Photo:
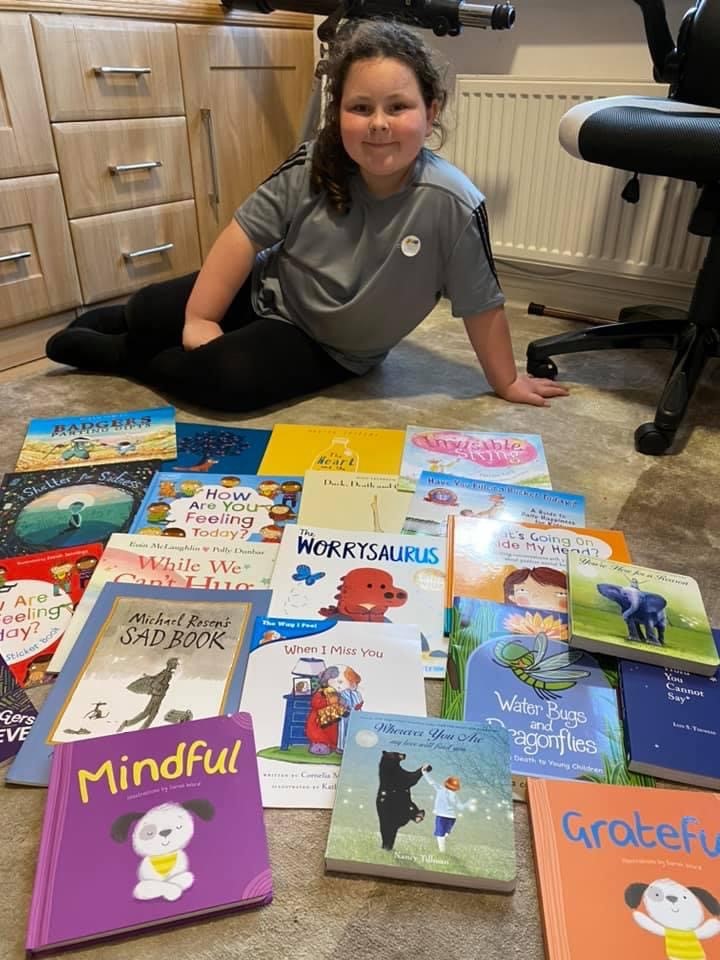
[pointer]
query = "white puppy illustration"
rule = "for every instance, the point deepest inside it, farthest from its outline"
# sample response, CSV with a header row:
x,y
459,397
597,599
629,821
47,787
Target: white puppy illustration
x,y
160,837
676,913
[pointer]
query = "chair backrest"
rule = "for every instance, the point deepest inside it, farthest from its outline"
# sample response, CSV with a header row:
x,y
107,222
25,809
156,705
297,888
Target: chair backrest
x,y
698,50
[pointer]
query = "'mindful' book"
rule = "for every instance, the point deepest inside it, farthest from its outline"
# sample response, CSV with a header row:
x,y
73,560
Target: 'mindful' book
x,y
174,817
145,657
89,438
298,447
636,613
426,800
625,872
209,448
17,714
358,501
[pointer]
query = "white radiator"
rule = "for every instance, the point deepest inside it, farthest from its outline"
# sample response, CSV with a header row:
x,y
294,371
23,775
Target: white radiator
x,y
548,207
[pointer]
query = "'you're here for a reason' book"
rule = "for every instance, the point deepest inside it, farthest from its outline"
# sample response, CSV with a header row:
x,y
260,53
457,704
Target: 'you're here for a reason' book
x,y
173,815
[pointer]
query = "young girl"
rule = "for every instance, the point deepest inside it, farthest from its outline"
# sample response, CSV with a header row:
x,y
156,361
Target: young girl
x,y
335,258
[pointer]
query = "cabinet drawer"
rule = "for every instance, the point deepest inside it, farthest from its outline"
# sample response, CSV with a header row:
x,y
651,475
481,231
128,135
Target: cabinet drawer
x,y
37,268
96,68
94,159
120,252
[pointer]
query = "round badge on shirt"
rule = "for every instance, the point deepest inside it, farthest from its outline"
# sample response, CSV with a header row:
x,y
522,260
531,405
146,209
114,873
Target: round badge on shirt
x,y
410,245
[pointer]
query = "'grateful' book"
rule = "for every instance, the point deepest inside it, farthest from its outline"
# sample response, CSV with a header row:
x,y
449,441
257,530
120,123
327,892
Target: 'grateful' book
x,y
298,447
17,714
173,816
145,657
90,438
303,681
672,722
189,562
209,448
426,800
358,501
626,872
636,613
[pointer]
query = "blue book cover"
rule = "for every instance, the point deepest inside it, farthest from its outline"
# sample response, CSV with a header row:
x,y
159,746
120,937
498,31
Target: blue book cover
x,y
672,722
209,448
145,657
224,507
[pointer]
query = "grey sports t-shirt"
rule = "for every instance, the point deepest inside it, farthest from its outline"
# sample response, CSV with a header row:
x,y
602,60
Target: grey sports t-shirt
x,y
360,282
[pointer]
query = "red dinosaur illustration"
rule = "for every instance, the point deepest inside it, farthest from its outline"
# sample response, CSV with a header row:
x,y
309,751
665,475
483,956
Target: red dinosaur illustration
x,y
365,594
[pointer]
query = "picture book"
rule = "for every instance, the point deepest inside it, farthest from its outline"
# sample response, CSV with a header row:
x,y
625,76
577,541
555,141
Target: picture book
x,y
48,509
517,458
38,593
303,681
84,439
174,817
426,800
513,669
364,577
361,501
672,722
189,562
626,872
209,448
298,447
438,495
17,714
636,613
145,657
216,506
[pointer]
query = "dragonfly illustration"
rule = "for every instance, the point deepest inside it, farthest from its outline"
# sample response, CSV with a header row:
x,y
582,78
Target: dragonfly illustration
x,y
304,574
546,675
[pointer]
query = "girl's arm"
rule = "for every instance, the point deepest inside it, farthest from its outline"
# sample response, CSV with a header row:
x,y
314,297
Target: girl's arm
x,y
489,335
226,268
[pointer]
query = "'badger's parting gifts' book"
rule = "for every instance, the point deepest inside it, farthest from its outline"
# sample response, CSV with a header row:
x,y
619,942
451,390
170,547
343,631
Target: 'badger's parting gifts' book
x,y
304,679
424,799
48,509
438,495
189,562
636,613
229,508
358,501
626,872
209,448
145,657
84,439
17,714
298,447
38,593
174,817
364,577
500,457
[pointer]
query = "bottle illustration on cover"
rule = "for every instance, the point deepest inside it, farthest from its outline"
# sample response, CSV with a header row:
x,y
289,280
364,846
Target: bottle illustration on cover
x,y
337,456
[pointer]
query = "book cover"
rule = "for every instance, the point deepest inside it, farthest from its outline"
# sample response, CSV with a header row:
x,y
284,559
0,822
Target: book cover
x,y
517,458
672,722
17,714
84,439
189,562
426,800
303,681
208,448
626,872
145,657
513,669
364,577
363,501
48,509
438,495
636,613
227,507
298,447
173,816
38,593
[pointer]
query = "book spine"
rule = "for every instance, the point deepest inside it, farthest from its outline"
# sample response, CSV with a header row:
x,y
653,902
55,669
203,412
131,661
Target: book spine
x,y
449,574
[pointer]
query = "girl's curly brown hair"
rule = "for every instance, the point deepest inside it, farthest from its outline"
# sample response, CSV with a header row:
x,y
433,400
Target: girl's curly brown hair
x,y
366,40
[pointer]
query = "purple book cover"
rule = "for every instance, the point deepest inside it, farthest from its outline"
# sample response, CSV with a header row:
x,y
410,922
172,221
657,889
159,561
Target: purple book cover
x,y
148,828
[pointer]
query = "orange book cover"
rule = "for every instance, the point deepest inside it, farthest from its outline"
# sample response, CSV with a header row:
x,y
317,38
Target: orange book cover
x,y
627,873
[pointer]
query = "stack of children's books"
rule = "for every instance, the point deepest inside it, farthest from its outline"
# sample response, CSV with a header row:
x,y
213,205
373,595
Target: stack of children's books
x,y
233,619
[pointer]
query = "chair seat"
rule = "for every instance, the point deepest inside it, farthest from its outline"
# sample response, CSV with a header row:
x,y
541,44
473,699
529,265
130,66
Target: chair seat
x,y
651,135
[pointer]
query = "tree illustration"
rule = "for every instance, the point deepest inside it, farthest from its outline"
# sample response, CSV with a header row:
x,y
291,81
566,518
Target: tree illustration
x,y
212,444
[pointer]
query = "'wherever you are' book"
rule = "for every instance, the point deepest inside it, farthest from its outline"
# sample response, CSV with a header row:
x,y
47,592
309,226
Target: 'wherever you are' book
x,y
298,447
426,800
173,815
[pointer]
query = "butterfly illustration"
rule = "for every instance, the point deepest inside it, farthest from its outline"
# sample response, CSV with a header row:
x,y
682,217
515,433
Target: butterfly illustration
x,y
303,573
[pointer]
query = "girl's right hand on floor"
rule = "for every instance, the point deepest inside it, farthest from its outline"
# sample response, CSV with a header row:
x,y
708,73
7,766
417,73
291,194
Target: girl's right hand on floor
x,y
196,333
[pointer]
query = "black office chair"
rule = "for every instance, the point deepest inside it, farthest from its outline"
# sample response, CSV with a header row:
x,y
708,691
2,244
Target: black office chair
x,y
674,136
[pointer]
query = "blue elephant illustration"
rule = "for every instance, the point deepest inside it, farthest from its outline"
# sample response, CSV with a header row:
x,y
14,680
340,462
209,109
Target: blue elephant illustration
x,y
643,613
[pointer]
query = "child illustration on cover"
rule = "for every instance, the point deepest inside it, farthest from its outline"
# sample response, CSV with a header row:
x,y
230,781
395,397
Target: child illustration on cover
x,y
321,726
346,684
447,806
539,587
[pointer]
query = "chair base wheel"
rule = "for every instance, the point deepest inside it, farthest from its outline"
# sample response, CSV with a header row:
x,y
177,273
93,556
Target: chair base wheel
x,y
651,441
542,368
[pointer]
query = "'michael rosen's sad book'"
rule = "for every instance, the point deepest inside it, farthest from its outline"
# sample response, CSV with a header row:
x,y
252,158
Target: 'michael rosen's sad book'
x,y
173,815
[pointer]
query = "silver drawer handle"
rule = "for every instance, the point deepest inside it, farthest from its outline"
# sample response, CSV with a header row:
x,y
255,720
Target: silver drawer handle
x,y
214,194
22,255
136,71
160,248
125,167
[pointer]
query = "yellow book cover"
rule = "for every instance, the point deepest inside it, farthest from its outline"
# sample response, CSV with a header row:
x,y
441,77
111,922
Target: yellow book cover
x,y
363,501
350,449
